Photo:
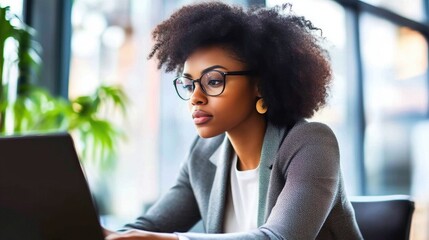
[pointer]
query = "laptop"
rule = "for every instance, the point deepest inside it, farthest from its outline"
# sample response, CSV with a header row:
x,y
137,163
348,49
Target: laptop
x,y
43,191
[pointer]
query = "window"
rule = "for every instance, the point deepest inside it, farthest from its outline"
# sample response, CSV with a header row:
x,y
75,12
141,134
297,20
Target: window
x,y
409,8
396,100
16,6
110,43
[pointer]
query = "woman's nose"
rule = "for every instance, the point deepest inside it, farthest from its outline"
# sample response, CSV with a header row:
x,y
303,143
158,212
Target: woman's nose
x,y
198,96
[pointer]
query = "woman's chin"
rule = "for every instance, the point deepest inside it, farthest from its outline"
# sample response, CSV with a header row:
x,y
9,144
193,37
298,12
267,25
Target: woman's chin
x,y
207,133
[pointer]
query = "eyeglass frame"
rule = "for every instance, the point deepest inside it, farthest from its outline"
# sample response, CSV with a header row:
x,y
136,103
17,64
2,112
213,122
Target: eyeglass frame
x,y
198,80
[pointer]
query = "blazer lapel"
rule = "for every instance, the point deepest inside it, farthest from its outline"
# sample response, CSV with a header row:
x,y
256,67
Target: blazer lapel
x,y
216,208
272,140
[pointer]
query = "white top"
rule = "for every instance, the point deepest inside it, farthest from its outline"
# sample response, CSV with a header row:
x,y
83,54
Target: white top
x,y
242,203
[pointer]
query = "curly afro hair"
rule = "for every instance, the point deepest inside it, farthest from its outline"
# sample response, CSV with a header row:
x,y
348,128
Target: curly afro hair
x,y
293,71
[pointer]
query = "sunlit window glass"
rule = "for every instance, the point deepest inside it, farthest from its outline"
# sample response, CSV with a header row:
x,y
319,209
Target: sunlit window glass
x,y
396,104
10,72
396,99
110,43
16,6
413,9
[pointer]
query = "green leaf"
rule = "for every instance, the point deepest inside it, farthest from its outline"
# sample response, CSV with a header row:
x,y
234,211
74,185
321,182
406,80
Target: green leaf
x,y
36,110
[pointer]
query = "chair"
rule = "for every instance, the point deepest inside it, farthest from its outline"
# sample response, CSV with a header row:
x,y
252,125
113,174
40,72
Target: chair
x,y
384,217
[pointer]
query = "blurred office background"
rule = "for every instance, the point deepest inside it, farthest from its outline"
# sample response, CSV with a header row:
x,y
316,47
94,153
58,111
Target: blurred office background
x,y
378,104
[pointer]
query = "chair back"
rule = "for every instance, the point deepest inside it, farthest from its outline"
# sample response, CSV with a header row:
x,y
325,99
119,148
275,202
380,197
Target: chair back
x,y
384,217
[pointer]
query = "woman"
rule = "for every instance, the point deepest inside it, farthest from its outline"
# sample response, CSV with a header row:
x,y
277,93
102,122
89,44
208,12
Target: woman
x,y
257,170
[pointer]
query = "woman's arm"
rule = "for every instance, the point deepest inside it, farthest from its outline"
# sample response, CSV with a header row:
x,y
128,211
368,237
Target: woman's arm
x,y
141,235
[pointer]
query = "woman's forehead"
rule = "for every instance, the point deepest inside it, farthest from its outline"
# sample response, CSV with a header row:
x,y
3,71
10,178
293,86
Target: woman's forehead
x,y
206,57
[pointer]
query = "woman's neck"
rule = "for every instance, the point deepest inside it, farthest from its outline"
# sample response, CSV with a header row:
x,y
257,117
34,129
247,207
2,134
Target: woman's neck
x,y
247,142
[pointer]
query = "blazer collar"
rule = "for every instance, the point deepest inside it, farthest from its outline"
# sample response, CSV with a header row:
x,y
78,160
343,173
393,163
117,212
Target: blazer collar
x,y
216,207
272,141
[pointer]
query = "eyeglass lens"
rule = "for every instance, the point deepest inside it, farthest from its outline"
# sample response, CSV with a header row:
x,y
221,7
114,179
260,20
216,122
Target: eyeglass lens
x,y
212,84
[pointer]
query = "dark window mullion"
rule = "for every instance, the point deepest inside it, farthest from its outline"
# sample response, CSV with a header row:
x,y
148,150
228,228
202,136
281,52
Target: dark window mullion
x,y
356,105
426,10
426,6
361,122
52,22
64,31
256,3
27,13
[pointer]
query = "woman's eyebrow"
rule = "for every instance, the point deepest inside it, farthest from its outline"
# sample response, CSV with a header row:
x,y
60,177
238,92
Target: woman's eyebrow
x,y
211,68
205,70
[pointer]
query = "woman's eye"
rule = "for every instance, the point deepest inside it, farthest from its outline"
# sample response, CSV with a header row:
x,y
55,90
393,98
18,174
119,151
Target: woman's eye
x,y
215,83
187,87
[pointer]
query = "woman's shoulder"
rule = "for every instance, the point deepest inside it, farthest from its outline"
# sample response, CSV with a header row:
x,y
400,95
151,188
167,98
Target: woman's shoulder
x,y
305,131
307,142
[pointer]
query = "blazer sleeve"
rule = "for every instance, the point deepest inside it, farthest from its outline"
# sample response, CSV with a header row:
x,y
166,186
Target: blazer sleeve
x,y
177,210
309,162
311,168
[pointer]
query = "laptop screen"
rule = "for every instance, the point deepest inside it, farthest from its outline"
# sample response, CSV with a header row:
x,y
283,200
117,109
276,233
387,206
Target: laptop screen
x,y
43,191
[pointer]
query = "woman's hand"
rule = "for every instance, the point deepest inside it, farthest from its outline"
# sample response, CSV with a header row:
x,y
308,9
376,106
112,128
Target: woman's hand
x,y
140,235
107,232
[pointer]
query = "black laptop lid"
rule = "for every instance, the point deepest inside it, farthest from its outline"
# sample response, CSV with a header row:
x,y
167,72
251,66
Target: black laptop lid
x,y
43,192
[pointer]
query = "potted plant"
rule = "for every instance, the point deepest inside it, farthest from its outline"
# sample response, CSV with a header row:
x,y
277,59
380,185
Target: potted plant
x,y
30,108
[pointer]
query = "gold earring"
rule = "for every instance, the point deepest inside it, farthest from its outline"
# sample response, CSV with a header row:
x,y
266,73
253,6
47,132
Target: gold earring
x,y
260,107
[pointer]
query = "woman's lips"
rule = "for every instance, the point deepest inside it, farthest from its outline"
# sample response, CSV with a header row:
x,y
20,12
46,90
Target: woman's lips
x,y
201,117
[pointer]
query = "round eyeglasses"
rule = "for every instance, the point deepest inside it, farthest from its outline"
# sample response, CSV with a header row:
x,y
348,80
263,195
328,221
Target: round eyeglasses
x,y
212,83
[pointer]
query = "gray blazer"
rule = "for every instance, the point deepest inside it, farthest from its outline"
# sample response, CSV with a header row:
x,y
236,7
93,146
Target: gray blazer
x,y
301,192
